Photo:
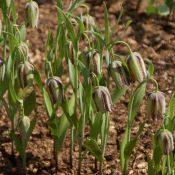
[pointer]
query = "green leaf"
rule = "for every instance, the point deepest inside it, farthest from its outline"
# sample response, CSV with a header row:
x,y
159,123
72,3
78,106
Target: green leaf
x,y
163,10
150,68
157,155
151,170
135,101
60,4
81,90
38,80
48,103
75,4
92,146
107,29
29,103
96,127
72,74
22,31
151,9
30,130
171,107
62,126
18,143
131,144
118,93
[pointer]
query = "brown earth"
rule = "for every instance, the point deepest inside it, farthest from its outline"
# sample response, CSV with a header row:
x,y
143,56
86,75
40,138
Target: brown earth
x,y
153,37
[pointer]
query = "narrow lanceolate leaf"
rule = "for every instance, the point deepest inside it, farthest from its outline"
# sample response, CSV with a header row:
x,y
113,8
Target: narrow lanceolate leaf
x,y
118,93
62,126
133,108
150,68
107,29
131,144
96,127
72,74
135,101
171,108
60,4
92,146
29,103
48,103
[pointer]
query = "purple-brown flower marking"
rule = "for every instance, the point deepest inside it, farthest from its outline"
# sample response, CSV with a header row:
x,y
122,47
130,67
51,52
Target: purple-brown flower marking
x,y
25,74
55,89
156,105
2,69
166,142
137,67
92,61
88,22
102,99
119,74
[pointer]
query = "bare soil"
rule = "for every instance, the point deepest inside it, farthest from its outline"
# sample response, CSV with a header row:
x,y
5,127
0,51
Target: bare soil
x,y
153,37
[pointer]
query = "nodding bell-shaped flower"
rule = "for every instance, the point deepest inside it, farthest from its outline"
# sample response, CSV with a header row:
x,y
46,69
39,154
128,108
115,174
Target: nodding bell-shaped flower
x,y
95,63
92,60
55,90
32,14
88,22
2,69
102,99
156,105
166,142
25,74
137,67
119,74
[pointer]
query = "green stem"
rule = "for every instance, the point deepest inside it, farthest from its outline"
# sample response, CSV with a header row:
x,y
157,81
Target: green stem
x,y
81,144
123,43
104,140
55,154
156,84
71,146
168,162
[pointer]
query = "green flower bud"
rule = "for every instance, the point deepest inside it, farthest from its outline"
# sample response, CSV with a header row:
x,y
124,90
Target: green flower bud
x,y
102,99
137,67
21,51
166,142
25,74
55,90
32,14
156,105
119,74
2,69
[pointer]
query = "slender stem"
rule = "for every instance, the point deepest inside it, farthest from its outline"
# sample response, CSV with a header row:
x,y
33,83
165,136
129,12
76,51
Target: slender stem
x,y
124,43
55,154
156,84
104,140
168,162
71,146
81,144
163,166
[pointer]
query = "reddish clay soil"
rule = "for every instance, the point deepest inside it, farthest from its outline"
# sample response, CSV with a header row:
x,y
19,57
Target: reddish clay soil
x,y
153,37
